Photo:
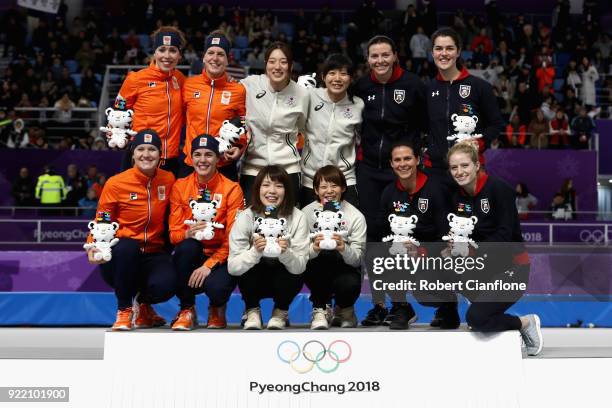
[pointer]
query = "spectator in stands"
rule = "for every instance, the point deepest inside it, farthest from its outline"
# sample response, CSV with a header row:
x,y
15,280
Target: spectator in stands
x,y
545,75
569,195
154,93
538,130
90,85
482,39
50,190
419,46
277,109
210,99
523,102
98,186
92,175
516,133
572,77
582,128
525,201
99,144
589,77
559,131
14,135
23,189
64,107
88,204
559,209
76,186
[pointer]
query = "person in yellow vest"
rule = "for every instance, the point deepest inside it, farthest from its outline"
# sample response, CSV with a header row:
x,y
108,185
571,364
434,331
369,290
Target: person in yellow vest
x,y
50,190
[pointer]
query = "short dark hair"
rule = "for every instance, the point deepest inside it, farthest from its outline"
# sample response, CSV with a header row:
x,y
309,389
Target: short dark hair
x,y
331,174
381,39
279,45
274,173
447,32
412,144
337,61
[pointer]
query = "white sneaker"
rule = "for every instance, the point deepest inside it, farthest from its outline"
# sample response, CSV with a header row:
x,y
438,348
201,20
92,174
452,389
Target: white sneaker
x,y
278,321
319,319
253,320
532,335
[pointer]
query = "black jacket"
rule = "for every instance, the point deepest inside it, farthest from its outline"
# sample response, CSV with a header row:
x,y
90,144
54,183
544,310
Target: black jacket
x,y
393,111
428,202
467,95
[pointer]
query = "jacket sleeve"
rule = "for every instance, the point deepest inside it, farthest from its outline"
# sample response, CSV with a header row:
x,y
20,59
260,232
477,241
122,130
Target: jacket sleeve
x,y
177,217
242,254
39,184
129,91
296,256
355,246
492,120
235,202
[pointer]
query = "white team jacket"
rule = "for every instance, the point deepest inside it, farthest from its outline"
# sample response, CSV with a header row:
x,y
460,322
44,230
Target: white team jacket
x,y
330,135
243,255
273,119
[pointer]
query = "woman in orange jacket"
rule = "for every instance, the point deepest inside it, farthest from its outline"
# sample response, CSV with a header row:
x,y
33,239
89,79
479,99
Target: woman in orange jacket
x,y
154,93
140,267
202,248
209,100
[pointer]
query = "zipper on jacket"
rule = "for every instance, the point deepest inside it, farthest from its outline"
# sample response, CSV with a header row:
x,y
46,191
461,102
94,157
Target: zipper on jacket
x,y
165,155
382,116
330,135
144,246
210,101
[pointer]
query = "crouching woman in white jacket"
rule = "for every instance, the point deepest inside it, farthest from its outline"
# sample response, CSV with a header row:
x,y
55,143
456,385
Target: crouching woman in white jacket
x,y
269,247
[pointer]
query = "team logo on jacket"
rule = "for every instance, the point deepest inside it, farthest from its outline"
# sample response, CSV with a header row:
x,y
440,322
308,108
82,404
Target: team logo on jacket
x,y
291,101
423,205
399,95
161,193
484,205
260,95
319,107
196,94
226,96
152,84
218,197
133,196
464,91
347,112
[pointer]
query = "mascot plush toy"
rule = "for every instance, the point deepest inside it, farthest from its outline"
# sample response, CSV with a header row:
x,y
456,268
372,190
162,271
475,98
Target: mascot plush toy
x,y
103,233
402,226
329,221
230,133
272,229
118,130
204,210
461,227
308,80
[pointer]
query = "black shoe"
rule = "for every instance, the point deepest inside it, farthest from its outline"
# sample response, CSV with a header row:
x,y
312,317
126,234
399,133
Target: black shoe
x,y
446,317
403,318
375,316
389,318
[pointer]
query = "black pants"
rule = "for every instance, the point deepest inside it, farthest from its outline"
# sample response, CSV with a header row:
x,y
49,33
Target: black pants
x,y
269,278
307,196
246,182
131,271
327,277
372,182
218,286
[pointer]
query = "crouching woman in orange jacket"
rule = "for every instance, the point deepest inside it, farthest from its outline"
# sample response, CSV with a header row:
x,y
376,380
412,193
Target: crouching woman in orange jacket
x,y
202,247
138,199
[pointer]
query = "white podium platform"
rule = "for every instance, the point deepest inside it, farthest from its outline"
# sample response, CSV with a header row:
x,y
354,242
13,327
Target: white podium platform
x,y
272,369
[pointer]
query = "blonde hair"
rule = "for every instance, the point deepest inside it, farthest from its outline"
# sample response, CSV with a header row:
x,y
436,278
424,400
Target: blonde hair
x,y
465,146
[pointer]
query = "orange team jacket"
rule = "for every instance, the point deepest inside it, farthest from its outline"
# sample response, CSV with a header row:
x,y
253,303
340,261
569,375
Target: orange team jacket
x,y
155,96
208,103
221,189
138,203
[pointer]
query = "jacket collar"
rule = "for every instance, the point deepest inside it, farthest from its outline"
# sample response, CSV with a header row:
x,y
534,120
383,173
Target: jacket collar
x,y
323,95
158,73
464,73
212,183
218,81
140,176
481,180
397,73
421,179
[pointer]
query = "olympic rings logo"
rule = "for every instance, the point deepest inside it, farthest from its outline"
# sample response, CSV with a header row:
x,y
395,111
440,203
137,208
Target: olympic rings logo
x,y
303,359
595,236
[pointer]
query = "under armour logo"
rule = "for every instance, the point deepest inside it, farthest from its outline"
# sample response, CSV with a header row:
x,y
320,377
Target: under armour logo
x,y
371,97
436,93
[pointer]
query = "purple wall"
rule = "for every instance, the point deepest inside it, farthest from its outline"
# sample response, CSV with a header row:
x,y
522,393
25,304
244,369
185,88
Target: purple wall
x,y
604,128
